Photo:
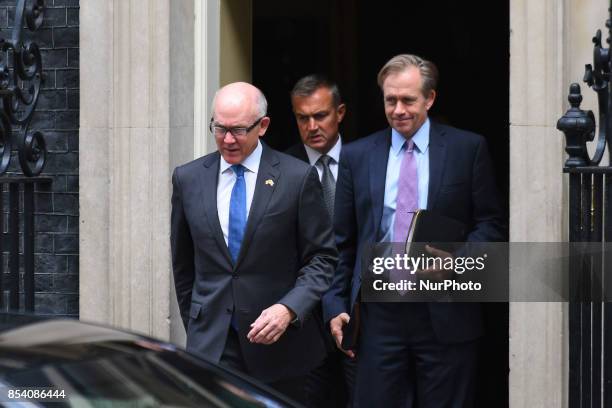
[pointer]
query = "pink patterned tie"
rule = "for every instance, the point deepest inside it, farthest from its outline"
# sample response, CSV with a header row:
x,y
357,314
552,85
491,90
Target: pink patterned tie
x,y
407,194
407,203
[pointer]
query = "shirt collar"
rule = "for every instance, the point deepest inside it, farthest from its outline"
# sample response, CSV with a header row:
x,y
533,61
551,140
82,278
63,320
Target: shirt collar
x,y
334,152
420,138
251,163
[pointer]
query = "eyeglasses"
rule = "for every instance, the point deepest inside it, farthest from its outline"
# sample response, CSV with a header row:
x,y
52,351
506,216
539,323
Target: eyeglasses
x,y
221,131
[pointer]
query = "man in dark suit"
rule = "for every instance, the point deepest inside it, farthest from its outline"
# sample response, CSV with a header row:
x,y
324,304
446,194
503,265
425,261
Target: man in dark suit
x,y
410,354
319,110
252,249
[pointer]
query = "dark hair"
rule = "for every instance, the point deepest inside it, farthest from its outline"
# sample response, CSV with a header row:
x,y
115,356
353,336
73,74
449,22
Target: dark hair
x,y
399,63
307,85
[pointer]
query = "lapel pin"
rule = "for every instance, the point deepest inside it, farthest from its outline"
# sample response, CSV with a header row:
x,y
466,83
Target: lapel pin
x,y
270,182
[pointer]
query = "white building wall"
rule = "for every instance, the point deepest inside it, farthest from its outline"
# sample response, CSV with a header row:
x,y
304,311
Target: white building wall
x,y
136,123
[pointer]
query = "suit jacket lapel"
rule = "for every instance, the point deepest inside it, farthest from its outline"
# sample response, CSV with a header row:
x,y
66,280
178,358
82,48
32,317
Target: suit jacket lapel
x,y
378,173
209,198
267,181
437,159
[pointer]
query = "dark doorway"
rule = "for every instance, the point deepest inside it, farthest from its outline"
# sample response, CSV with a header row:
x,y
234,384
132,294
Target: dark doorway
x,y
349,40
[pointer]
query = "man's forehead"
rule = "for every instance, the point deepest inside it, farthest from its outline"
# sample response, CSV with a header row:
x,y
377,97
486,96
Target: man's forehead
x,y
316,100
408,77
231,109
401,92
314,107
233,101
234,118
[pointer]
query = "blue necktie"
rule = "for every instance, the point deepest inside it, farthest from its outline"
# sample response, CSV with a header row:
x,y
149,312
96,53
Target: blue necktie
x,y
237,213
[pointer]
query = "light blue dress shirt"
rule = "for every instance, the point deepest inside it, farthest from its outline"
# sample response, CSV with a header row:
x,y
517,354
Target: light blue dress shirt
x,y
396,152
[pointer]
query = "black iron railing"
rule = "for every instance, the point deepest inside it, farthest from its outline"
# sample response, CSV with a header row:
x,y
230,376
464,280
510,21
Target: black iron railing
x,y
590,221
20,229
20,83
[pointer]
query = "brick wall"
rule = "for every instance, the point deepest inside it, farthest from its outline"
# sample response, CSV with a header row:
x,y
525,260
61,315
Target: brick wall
x,y
57,116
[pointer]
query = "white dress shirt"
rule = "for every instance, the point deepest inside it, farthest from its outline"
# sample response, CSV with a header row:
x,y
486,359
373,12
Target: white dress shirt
x,y
334,153
227,179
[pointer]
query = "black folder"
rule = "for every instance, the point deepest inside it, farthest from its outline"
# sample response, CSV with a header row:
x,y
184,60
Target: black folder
x,y
439,231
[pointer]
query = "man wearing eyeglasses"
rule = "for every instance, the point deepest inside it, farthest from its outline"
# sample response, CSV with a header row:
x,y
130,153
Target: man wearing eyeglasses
x,y
252,249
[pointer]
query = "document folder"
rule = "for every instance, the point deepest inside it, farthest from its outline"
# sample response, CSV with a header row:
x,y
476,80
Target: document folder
x,y
439,231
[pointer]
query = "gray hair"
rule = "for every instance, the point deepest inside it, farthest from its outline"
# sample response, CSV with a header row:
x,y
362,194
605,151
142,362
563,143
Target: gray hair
x,y
307,85
399,63
262,104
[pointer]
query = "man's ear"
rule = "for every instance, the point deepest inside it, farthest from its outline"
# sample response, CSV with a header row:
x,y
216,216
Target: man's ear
x,y
341,110
429,101
263,125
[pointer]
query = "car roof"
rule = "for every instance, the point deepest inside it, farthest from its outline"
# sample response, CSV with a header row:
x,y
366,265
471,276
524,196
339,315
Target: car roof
x,y
29,342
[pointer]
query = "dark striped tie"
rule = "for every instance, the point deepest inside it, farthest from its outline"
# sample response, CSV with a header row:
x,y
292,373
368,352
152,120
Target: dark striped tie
x,y
328,183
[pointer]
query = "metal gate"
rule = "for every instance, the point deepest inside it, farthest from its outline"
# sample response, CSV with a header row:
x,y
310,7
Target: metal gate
x,y
21,77
590,221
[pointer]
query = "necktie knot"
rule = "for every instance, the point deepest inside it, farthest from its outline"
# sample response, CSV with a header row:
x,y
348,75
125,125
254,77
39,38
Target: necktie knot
x,y
325,160
239,170
409,146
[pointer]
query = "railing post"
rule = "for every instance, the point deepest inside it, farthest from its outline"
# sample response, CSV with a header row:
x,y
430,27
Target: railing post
x,y
28,246
590,319
21,227
20,84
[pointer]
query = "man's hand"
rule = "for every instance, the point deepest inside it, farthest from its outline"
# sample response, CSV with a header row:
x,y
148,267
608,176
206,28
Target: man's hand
x,y
435,273
336,325
271,324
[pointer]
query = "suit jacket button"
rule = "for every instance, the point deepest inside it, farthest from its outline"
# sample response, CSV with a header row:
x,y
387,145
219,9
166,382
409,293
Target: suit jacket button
x,y
235,275
229,310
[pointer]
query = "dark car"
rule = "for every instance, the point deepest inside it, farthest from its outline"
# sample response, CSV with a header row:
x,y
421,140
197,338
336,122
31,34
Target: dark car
x,y
70,363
